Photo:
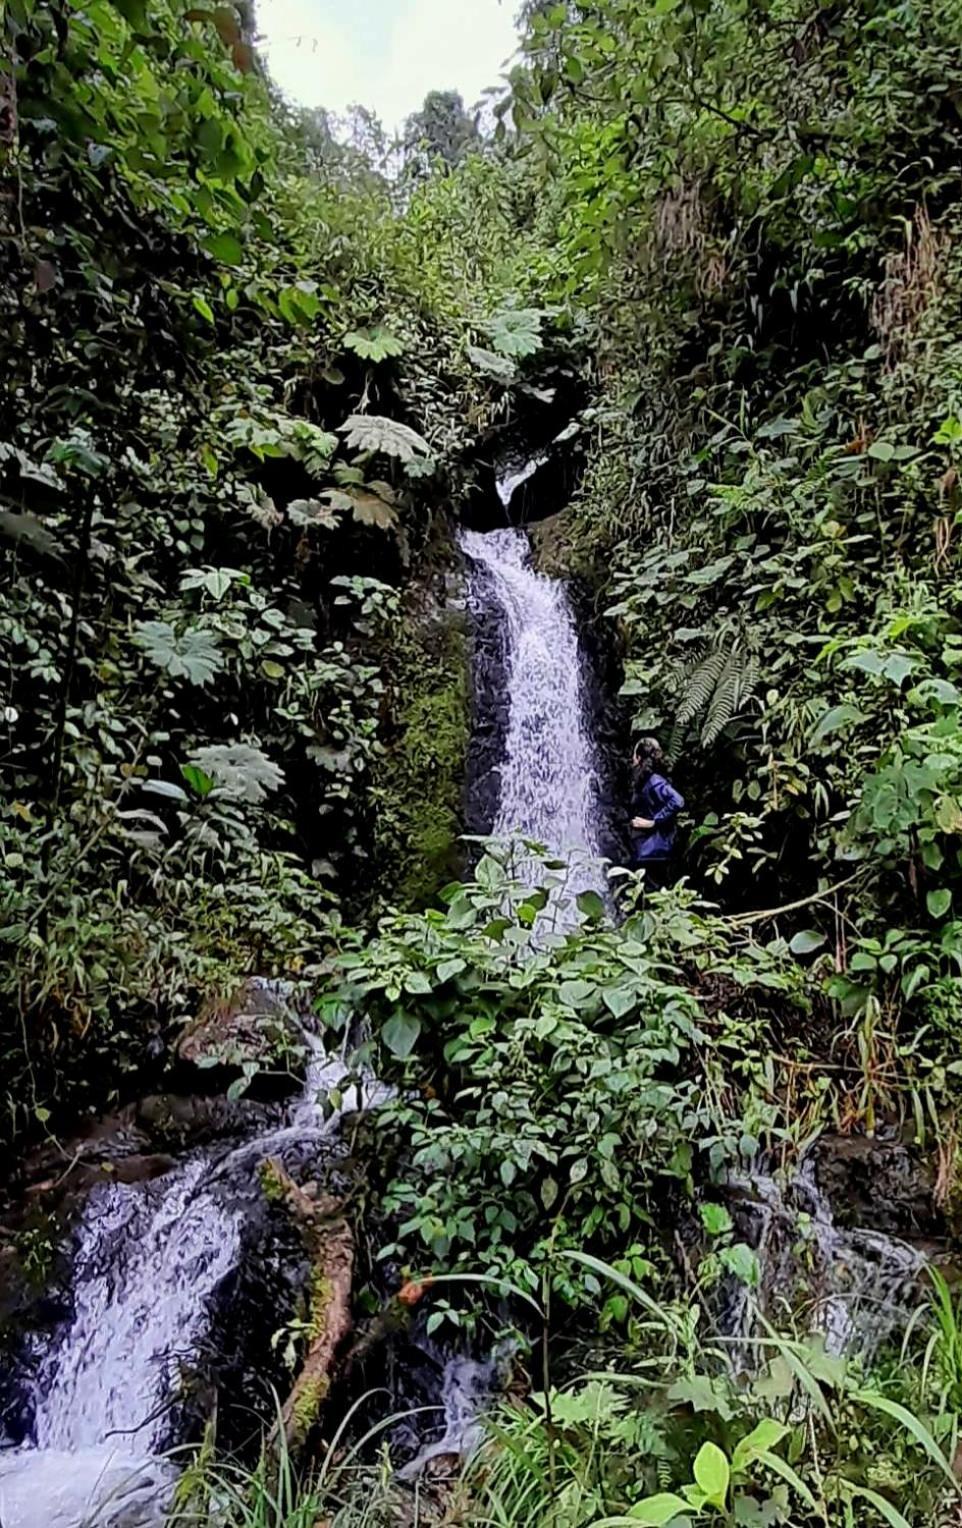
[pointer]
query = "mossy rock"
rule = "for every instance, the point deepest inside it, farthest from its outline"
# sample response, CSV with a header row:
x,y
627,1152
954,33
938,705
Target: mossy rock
x,y
420,790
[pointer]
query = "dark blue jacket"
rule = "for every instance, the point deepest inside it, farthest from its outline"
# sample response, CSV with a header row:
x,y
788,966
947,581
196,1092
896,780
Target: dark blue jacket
x,y
656,799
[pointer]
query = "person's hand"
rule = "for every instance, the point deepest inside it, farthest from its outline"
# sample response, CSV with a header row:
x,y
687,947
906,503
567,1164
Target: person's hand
x,y
642,823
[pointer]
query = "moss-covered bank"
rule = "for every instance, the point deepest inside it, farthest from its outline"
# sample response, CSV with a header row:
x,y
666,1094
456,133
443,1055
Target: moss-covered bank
x,y
420,789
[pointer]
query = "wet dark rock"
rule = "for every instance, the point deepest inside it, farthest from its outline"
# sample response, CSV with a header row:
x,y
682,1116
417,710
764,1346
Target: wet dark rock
x,y
256,1032
489,709
885,1185
179,1122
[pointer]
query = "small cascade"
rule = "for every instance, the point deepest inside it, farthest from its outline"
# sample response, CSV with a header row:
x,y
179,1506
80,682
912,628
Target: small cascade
x,y
549,779
512,478
466,1389
150,1260
855,1286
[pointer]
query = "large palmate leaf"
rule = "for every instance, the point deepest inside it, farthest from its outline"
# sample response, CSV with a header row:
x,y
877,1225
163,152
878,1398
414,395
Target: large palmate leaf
x,y
497,366
192,654
375,344
515,331
370,504
240,770
312,512
372,432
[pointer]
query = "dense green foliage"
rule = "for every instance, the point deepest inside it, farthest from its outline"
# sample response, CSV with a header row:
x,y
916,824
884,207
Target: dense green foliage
x,y
245,368
220,352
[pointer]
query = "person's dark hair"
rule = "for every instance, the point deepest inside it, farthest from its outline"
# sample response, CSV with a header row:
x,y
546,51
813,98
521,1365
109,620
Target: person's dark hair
x,y
647,756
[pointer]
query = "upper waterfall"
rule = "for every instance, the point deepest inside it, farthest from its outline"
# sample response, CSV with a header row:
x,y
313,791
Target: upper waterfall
x,y
549,779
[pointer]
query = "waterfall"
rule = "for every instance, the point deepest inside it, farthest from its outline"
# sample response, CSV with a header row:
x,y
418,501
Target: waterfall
x,y
150,1259
148,1263
549,782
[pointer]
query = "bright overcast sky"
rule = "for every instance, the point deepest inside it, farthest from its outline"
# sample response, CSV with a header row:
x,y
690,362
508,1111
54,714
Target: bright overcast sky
x,y
385,54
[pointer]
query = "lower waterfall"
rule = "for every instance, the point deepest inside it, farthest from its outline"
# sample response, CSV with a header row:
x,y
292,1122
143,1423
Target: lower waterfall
x,y
149,1260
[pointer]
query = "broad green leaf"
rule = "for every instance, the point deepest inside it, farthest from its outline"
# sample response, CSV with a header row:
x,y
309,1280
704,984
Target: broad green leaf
x,y
225,247
240,770
193,654
938,902
371,509
577,994
712,1473
376,344
312,512
165,788
619,1000
805,941
134,11
549,1192
591,905
839,717
715,1218
658,1510
702,1393
767,1435
200,783
400,1034
515,331
448,968
497,366
741,1261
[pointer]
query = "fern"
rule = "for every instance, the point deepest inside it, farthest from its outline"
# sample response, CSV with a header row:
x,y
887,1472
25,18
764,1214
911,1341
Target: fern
x,y
701,687
722,705
713,691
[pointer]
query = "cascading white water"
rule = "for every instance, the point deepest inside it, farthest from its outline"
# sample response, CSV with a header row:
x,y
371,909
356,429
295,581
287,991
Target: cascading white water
x,y
148,1262
150,1259
512,479
549,786
858,1285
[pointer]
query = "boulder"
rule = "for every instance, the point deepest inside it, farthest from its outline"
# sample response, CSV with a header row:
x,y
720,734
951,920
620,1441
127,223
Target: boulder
x,y
253,1033
884,1185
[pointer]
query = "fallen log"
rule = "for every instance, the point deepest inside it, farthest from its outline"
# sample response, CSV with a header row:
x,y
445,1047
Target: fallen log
x,y
329,1240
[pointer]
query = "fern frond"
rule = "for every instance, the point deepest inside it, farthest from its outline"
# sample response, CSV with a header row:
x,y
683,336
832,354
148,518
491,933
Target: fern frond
x,y
723,703
701,686
748,681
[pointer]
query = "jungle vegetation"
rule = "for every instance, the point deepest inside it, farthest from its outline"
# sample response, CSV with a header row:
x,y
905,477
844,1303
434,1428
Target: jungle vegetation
x,y
246,362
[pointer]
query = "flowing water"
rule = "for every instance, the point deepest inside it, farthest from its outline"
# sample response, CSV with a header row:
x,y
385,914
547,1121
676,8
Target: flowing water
x,y
515,476
151,1259
549,781
149,1262
854,1286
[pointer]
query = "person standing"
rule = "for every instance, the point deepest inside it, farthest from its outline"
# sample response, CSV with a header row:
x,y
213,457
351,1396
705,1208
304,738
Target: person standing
x,y
655,809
